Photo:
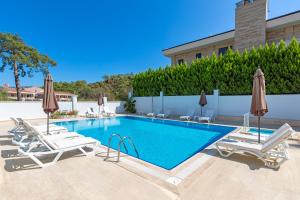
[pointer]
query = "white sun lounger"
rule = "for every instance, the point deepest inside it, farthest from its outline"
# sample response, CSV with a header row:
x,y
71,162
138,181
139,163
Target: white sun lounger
x,y
18,127
164,115
45,147
269,153
188,116
42,128
264,138
53,129
24,130
150,114
108,112
90,113
209,116
58,135
30,131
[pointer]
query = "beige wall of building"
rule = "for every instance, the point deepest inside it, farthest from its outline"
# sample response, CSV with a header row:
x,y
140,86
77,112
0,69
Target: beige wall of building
x,y
285,33
252,29
189,56
274,35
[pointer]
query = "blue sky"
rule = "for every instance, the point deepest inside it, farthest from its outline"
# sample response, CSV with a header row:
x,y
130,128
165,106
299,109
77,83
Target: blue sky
x,y
92,38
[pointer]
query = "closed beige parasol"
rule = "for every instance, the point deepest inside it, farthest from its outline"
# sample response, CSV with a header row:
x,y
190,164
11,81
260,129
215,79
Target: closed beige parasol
x,y
100,103
50,104
259,105
202,100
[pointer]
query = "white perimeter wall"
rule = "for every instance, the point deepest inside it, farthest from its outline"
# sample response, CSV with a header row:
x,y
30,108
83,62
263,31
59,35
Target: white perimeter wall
x,y
178,105
280,106
31,110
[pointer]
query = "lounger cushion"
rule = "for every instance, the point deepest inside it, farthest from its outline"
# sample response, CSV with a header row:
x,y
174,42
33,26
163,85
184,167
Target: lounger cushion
x,y
247,137
45,126
62,136
51,129
71,142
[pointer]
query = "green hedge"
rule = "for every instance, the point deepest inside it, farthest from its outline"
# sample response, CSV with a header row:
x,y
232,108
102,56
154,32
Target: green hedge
x,y
232,73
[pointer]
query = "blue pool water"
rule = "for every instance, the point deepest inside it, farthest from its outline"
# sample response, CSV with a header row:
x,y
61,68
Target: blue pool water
x,y
262,131
164,143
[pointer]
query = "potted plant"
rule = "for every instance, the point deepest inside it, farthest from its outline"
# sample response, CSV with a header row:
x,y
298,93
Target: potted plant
x,y
130,105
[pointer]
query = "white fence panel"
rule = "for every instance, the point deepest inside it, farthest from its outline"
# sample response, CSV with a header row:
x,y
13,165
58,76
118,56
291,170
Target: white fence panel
x,y
181,105
114,106
32,110
144,104
280,106
67,106
178,105
26,110
234,105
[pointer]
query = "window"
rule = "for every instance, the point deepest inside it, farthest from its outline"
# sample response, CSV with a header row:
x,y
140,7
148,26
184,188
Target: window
x,y
180,61
223,50
198,55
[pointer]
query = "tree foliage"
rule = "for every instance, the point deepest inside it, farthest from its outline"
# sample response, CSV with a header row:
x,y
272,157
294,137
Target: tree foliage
x,y
231,73
3,95
114,87
24,60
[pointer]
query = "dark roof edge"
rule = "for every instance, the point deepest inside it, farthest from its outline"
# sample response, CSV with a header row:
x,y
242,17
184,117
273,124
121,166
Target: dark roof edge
x,y
281,16
285,15
199,39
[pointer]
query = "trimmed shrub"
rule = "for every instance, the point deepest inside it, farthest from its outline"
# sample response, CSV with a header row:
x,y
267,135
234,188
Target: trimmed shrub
x,y
231,73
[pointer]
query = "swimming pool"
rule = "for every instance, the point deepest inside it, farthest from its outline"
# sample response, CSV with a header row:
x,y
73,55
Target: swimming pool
x,y
164,143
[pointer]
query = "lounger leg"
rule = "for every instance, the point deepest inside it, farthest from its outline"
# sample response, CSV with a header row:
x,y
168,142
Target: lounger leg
x,y
83,151
23,138
87,153
97,147
37,161
15,129
57,157
281,157
41,164
226,155
275,164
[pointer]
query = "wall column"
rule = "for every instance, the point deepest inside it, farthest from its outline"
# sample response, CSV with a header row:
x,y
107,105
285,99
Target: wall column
x,y
104,101
161,96
216,101
74,103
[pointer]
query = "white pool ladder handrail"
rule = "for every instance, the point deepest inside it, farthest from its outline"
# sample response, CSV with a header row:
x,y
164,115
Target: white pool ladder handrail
x,y
132,144
122,141
109,141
